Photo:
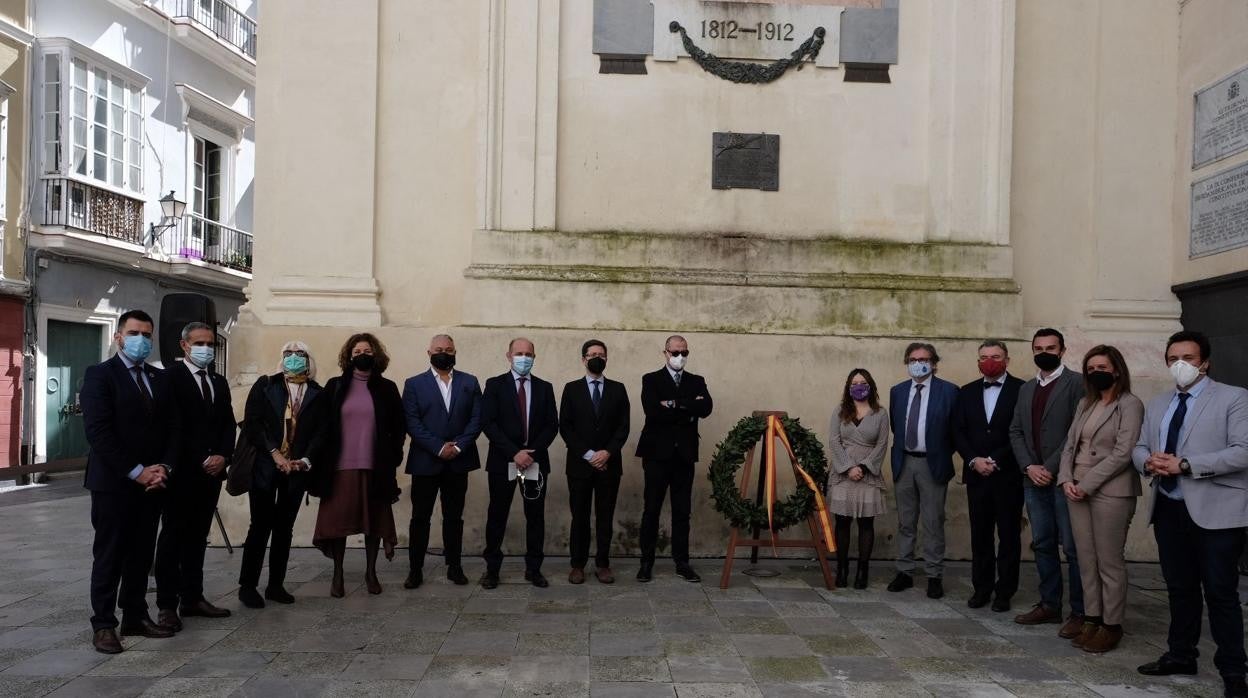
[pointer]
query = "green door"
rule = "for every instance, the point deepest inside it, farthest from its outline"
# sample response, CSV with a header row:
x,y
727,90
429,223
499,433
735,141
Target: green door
x,y
72,347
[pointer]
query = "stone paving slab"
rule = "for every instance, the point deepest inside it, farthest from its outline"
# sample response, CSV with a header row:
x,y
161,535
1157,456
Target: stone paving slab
x,y
763,636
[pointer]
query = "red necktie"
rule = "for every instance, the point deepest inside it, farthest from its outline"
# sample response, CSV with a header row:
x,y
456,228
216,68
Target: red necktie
x,y
522,403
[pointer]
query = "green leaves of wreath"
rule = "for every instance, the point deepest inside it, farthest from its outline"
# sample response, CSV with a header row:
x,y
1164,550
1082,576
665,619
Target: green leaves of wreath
x,y
730,455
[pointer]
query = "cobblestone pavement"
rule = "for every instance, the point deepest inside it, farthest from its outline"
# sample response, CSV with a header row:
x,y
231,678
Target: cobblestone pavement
x,y
779,636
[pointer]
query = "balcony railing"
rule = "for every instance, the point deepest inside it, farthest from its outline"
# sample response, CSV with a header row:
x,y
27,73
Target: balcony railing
x,y
72,204
196,237
219,18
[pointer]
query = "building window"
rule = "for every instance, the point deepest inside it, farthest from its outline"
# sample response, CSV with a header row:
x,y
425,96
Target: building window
x,y
103,129
208,176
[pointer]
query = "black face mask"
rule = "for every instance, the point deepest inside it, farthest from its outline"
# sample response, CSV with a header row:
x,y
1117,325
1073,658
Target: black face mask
x,y
363,362
443,362
596,365
1046,361
1101,380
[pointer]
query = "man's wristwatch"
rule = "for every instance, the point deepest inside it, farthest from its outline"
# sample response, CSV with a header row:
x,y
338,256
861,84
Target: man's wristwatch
x,y
1185,468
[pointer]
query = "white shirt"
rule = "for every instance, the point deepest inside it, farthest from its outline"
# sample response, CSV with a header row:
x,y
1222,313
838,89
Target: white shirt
x,y
673,373
212,392
991,394
602,389
444,386
528,393
1057,372
921,446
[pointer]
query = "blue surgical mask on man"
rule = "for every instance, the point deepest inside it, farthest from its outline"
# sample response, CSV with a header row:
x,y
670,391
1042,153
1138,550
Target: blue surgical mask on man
x,y
522,364
202,356
137,347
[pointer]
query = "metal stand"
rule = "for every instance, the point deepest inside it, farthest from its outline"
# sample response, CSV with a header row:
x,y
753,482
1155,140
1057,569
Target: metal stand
x,y
221,526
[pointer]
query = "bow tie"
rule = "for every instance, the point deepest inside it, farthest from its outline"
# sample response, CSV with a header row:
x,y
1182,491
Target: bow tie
x,y
992,384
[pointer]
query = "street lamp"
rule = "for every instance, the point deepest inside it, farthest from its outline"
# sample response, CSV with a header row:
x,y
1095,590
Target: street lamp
x,y
171,211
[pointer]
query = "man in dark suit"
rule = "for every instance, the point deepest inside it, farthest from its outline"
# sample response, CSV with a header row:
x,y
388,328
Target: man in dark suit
x,y
1046,407
922,459
594,423
443,408
994,486
205,442
673,401
130,423
519,419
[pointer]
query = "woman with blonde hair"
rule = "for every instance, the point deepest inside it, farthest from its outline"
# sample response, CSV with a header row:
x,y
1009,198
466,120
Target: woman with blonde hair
x,y
284,420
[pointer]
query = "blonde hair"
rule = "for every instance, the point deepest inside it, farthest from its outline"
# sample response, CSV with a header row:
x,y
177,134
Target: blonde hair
x,y
297,345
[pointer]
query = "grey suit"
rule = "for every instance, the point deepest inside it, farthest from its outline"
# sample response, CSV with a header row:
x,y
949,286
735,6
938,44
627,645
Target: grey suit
x,y
1047,508
1200,537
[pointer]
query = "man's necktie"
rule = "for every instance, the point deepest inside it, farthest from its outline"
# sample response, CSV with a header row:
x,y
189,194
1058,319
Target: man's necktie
x,y
1169,482
912,419
596,395
992,384
203,386
144,393
677,376
523,403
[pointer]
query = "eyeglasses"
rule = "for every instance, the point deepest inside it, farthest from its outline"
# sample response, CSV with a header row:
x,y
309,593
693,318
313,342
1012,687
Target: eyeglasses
x,y
918,361
678,353
295,352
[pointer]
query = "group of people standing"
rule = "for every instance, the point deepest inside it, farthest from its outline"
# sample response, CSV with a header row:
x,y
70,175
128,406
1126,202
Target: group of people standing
x,y
1071,446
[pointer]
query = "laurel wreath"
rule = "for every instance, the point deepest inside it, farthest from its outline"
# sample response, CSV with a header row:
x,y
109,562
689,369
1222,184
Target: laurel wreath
x,y
729,457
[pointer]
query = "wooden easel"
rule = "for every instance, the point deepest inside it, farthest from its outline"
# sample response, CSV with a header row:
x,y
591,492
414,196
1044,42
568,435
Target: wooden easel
x,y
735,538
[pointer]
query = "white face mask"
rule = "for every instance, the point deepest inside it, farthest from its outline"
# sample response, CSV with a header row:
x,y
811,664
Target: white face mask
x,y
1184,374
676,362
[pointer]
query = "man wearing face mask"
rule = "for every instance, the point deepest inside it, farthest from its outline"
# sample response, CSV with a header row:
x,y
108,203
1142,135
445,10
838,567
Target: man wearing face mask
x,y
594,423
130,423
922,459
994,488
1194,446
443,409
673,400
205,443
519,419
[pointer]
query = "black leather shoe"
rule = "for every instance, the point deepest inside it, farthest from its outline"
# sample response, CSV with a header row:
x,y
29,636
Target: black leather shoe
x,y
455,573
935,588
168,618
537,579
489,581
144,627
414,579
106,641
978,600
645,572
1234,687
860,579
279,595
204,609
250,597
1166,666
686,573
1000,604
901,582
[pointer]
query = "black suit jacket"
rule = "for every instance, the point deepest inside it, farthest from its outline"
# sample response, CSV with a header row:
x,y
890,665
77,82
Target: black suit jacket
x,y
500,420
974,435
204,430
672,432
585,430
262,420
122,433
390,431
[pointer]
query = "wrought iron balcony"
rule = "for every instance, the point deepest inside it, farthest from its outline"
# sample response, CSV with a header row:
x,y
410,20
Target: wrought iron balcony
x,y
73,204
218,18
196,237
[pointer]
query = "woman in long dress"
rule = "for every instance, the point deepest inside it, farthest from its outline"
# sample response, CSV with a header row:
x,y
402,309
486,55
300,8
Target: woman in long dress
x,y
857,444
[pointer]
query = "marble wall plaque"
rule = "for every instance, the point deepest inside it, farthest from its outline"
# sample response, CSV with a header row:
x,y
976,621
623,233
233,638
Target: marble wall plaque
x,y
1220,212
745,161
1220,126
745,30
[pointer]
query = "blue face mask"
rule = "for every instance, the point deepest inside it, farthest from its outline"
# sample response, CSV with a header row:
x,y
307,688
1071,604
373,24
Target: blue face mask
x,y
202,356
919,369
522,364
295,364
137,347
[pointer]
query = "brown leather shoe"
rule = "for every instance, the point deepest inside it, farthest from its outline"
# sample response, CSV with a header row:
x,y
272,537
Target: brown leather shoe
x,y
106,641
145,628
1085,635
1105,640
1038,615
604,575
168,618
576,576
205,609
1072,627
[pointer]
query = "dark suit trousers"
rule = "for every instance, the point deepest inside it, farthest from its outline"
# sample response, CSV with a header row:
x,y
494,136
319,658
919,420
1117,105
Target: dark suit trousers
x,y
996,507
273,513
597,492
187,518
1193,558
662,475
125,540
425,490
502,492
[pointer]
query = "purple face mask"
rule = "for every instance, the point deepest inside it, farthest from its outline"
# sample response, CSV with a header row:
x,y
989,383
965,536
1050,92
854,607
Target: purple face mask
x,y
859,391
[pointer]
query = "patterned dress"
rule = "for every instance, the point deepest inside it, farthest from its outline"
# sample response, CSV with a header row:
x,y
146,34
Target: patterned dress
x,y
857,443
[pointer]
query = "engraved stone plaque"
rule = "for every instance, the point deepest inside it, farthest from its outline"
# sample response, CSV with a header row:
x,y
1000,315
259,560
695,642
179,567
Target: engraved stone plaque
x,y
1220,212
1220,126
760,31
745,161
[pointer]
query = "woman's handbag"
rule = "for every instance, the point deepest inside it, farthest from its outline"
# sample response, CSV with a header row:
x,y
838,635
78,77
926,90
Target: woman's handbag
x,y
238,476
